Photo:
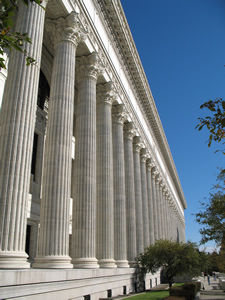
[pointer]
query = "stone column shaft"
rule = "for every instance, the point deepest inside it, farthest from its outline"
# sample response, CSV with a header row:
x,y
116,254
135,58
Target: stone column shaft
x,y
150,203
53,247
138,197
154,198
120,243
162,211
130,193
84,181
105,225
158,207
17,121
144,198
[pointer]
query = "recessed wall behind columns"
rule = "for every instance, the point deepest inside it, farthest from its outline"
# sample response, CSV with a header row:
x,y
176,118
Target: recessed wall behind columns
x,y
68,284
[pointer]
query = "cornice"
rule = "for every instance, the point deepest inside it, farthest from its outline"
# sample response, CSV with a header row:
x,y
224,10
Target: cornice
x,y
113,11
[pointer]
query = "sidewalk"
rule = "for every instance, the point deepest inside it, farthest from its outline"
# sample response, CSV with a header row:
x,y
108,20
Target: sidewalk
x,y
212,291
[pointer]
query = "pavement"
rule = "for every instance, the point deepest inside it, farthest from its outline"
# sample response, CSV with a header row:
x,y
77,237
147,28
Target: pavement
x,y
212,291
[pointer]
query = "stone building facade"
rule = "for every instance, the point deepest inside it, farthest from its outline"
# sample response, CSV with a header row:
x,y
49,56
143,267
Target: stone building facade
x,y
87,179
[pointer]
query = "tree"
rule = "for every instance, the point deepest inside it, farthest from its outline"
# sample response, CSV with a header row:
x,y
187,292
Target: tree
x,y
8,38
212,214
175,258
215,123
221,257
212,217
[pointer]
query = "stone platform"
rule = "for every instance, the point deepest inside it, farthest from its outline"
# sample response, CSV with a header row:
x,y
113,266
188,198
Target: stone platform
x,y
67,284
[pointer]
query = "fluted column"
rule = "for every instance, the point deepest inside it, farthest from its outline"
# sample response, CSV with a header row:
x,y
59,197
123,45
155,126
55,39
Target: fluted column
x,y
17,121
154,198
120,242
53,246
105,225
158,204
145,208
162,209
167,213
84,179
170,218
129,133
138,195
150,202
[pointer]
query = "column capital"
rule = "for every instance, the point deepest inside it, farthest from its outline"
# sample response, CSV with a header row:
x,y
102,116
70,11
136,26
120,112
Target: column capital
x,y
162,184
65,29
155,174
118,114
129,131
150,165
159,178
144,155
138,145
164,189
88,66
105,93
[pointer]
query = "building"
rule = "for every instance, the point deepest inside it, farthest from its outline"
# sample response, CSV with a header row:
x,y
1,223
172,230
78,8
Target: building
x,y
87,179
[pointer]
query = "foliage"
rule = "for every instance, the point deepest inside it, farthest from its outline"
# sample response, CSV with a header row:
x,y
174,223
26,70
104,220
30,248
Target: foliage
x,y
175,258
212,214
8,38
216,123
214,259
221,257
212,217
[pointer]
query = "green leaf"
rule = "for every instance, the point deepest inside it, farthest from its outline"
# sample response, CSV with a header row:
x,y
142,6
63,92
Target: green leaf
x,y
17,47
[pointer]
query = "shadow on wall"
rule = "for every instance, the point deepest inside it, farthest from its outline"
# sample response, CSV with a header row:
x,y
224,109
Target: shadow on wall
x,y
138,279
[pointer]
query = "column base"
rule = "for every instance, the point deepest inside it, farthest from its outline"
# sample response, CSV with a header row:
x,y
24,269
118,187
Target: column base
x,y
85,263
107,263
122,264
52,262
13,260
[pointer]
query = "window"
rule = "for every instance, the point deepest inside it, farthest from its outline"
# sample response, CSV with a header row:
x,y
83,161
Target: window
x,y
34,154
43,91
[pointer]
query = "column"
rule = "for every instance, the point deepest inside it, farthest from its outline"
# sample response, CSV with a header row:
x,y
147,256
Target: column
x,y
84,179
170,218
158,204
129,133
162,209
120,244
17,121
53,246
138,195
105,229
166,211
154,197
144,157
150,202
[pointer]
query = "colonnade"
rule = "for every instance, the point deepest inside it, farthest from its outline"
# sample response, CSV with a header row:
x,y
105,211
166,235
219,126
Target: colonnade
x,y
121,203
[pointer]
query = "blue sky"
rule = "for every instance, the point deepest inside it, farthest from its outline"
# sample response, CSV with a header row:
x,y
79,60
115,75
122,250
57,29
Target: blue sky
x,y
181,44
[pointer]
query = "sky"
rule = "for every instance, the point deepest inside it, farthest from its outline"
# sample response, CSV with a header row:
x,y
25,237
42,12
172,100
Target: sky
x,y
181,44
